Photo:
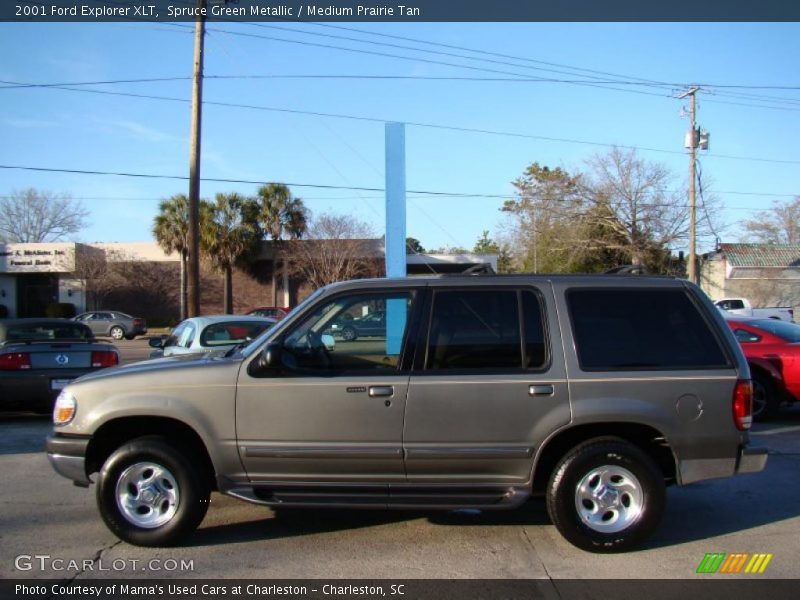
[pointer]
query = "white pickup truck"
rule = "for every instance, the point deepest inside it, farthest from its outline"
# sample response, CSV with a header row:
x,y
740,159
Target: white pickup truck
x,y
742,307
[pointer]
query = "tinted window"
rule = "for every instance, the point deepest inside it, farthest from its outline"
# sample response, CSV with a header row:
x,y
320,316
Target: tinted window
x,y
342,321
535,344
474,330
641,329
48,331
745,336
783,329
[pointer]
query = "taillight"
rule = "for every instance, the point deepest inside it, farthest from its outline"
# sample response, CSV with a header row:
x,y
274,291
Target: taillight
x,y
137,322
104,358
743,404
15,361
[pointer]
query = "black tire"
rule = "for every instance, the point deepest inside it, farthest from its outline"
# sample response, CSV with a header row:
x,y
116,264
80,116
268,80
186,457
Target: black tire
x,y
765,398
116,332
349,334
645,507
193,491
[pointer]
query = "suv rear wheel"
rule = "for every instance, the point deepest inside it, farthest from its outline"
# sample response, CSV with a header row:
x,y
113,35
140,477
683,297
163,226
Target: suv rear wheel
x,y
606,495
149,494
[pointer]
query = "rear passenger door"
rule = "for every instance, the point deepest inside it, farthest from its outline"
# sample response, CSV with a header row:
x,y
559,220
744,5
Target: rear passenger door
x,y
488,385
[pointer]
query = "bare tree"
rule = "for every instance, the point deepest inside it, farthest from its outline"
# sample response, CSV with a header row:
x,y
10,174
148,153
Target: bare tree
x,y
39,216
640,206
336,248
779,225
97,270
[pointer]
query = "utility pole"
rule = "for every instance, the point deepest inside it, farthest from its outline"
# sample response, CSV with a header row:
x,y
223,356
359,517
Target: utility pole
x,y
692,141
193,272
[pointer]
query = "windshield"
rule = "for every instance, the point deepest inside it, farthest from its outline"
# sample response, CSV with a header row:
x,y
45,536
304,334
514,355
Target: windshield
x,y
783,329
248,348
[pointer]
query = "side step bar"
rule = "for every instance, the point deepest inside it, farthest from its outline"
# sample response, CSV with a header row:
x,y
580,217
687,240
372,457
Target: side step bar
x,y
441,497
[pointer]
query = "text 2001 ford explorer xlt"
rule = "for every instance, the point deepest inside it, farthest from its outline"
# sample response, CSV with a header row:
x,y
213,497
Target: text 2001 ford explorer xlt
x,y
598,391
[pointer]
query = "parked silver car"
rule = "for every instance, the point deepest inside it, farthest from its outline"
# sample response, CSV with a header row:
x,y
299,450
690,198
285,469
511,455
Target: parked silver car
x,y
217,333
113,324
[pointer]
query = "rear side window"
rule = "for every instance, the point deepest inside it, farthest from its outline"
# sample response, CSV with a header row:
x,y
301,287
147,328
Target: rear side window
x,y
482,330
643,329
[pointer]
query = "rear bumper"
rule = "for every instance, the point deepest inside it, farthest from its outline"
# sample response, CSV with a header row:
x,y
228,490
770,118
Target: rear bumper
x,y
746,460
67,455
751,460
32,390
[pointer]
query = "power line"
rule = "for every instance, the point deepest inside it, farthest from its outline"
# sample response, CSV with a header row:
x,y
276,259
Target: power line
x,y
246,181
409,58
416,124
323,186
631,80
767,101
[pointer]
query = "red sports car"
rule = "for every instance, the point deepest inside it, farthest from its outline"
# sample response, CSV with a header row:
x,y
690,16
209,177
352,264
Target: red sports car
x,y
772,349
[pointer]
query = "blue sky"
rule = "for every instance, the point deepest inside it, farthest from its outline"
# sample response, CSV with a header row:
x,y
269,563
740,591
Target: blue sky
x,y
61,129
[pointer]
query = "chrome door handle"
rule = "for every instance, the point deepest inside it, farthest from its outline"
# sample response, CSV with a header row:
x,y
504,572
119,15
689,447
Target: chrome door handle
x,y
541,390
381,391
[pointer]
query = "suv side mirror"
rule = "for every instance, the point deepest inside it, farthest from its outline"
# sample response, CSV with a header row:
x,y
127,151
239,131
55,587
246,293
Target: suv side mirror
x,y
156,342
269,361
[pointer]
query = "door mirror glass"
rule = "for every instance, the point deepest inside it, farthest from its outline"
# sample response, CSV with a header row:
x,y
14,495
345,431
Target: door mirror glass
x,y
328,342
156,342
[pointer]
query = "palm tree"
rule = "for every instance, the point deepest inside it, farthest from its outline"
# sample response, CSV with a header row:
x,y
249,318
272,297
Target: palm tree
x,y
230,233
171,230
281,215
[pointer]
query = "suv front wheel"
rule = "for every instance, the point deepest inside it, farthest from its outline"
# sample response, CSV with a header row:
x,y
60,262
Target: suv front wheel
x,y
606,495
149,494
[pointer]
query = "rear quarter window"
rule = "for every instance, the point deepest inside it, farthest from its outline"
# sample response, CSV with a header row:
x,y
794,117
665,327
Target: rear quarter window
x,y
641,329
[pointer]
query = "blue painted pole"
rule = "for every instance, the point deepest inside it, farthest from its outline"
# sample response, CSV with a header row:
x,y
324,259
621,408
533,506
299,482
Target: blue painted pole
x,y
395,243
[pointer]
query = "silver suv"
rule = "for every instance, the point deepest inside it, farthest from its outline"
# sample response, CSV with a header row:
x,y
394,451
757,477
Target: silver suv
x,y
596,391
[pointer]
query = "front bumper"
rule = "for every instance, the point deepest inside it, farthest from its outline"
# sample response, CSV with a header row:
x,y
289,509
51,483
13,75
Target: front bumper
x,y
67,455
751,460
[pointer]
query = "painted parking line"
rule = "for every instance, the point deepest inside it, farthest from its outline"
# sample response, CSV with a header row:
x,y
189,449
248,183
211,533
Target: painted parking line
x,y
776,430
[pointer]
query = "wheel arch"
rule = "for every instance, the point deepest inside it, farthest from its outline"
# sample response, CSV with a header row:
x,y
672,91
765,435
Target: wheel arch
x,y
647,438
116,432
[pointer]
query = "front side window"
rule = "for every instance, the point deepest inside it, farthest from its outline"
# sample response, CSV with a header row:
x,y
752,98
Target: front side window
x,y
644,329
360,332
480,329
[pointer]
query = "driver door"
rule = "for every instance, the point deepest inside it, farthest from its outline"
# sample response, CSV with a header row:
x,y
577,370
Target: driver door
x,y
333,411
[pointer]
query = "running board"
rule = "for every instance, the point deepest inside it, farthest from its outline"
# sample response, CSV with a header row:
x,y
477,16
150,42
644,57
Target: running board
x,y
369,496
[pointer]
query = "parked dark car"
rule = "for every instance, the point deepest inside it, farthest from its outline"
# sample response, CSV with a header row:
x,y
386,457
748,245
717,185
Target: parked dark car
x,y
772,349
39,357
113,324
370,325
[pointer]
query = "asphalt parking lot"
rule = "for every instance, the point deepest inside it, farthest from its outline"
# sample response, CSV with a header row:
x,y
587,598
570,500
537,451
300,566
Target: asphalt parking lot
x,y
44,515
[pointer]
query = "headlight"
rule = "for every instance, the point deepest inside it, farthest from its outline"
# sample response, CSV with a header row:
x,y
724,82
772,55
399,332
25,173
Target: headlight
x,y
65,408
